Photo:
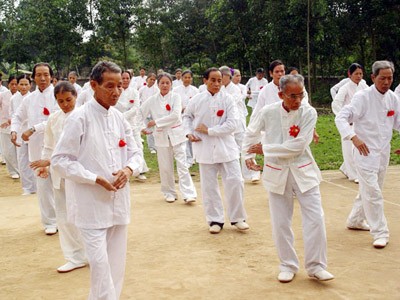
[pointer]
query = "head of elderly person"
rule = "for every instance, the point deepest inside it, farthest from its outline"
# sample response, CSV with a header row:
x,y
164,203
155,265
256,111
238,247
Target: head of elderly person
x,y
106,82
164,83
382,75
226,75
42,74
291,91
237,77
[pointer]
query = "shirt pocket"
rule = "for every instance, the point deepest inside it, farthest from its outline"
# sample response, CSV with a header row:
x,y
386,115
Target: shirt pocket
x,y
274,173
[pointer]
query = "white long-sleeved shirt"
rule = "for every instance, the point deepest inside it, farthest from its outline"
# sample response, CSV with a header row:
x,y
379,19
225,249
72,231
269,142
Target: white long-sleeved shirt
x,y
15,102
78,88
256,85
371,112
146,92
32,110
345,94
186,93
268,95
218,146
90,146
235,92
168,126
397,91
335,89
127,100
140,81
85,96
133,116
52,134
3,89
176,83
282,150
5,103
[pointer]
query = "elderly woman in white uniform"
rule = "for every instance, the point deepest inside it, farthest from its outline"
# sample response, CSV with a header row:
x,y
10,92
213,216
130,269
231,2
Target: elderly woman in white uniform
x,y
170,141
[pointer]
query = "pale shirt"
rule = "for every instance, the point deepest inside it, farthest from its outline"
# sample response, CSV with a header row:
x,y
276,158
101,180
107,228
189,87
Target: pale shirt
x,y
202,88
3,89
16,101
345,94
146,92
243,91
90,147
268,95
52,134
168,126
335,89
78,88
132,83
85,96
368,110
133,116
219,145
140,81
86,86
284,152
256,86
186,93
127,99
397,91
235,92
176,83
32,110
5,103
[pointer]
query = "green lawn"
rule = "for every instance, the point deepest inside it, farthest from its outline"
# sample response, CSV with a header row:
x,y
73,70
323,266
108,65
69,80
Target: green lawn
x,y
327,152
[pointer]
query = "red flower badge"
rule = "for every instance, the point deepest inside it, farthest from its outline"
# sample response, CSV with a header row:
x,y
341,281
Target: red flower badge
x,y
168,107
122,143
144,83
390,113
220,113
132,101
294,131
46,112
261,87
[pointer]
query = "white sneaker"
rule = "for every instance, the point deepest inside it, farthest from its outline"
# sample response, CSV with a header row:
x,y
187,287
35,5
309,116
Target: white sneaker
x,y
190,200
323,275
285,276
362,226
15,176
170,199
153,151
380,243
142,177
356,181
255,179
242,225
215,229
50,230
70,266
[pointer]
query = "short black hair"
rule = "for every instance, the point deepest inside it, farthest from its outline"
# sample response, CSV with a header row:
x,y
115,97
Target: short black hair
x,y
206,74
101,67
42,64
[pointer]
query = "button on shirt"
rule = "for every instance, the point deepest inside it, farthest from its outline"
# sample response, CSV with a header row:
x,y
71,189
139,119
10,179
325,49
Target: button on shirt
x,y
89,147
219,113
369,111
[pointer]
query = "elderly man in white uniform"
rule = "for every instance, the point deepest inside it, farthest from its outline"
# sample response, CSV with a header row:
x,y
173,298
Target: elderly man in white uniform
x,y
210,120
36,109
285,130
375,112
97,154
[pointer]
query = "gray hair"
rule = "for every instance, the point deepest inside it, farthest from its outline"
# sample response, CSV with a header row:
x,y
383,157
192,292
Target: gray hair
x,y
164,74
225,70
102,67
381,65
290,79
236,71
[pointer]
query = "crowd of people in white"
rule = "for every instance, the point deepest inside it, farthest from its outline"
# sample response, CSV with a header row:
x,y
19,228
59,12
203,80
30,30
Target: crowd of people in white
x,y
76,147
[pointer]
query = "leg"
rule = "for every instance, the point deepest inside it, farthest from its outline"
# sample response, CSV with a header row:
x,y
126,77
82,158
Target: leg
x,y
233,188
28,179
9,154
101,281
46,201
166,166
186,185
212,201
348,167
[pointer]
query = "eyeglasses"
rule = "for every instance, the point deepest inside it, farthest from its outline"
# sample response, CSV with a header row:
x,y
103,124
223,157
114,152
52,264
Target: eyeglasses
x,y
295,96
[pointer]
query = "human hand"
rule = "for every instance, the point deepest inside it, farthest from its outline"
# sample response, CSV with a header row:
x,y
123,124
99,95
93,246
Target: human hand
x,y
193,138
26,135
315,136
397,151
360,145
14,139
257,149
42,172
202,128
252,165
122,177
105,184
42,163
151,123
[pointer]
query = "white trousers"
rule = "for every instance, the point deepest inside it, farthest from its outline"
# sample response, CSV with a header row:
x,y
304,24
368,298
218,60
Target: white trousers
x,y
165,156
348,166
232,181
9,153
27,175
138,140
45,195
314,235
370,202
246,172
70,237
106,253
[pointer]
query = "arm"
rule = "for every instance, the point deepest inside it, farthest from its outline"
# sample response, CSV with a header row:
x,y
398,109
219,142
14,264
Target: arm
x,y
230,124
174,116
188,117
339,99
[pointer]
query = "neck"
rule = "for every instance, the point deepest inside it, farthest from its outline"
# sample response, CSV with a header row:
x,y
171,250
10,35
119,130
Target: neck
x,y
285,108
